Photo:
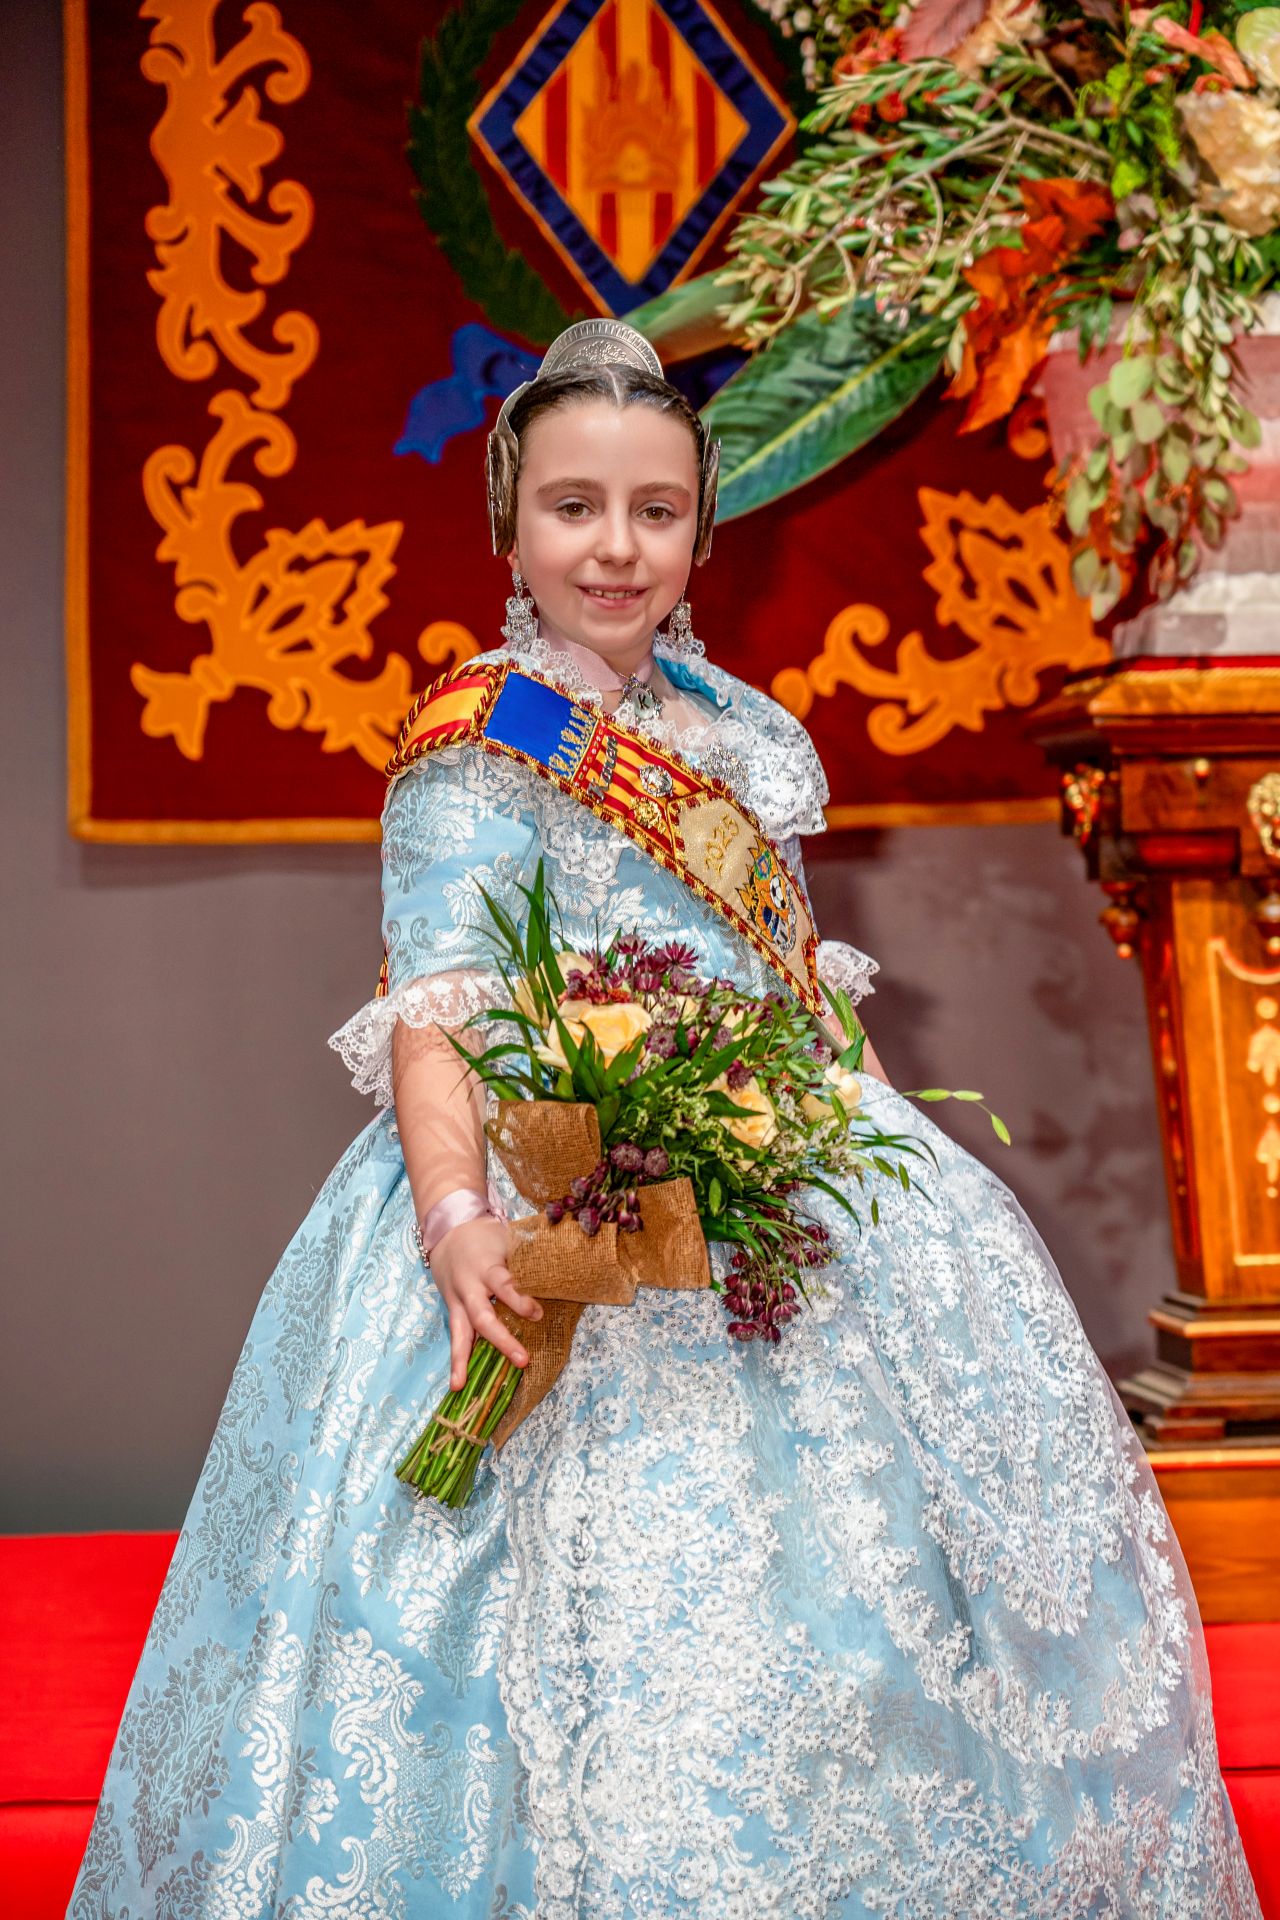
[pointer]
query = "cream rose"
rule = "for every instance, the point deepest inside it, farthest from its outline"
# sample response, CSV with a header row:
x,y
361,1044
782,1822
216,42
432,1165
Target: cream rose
x,y
613,1026
847,1088
847,1085
757,1127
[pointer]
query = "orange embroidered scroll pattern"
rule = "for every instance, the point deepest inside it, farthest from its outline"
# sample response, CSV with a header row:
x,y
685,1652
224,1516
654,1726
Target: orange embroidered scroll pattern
x,y
207,147
1002,577
287,621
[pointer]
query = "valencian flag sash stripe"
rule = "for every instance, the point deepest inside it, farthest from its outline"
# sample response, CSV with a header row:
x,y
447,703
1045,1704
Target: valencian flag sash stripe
x,y
687,821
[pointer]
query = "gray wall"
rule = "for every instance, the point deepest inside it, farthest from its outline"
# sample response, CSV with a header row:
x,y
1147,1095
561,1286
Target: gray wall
x,y
172,1109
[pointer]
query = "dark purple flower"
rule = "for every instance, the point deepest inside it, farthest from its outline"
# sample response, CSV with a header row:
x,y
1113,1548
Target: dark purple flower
x,y
656,1163
627,1158
676,953
554,1211
589,1219
661,1042
737,1076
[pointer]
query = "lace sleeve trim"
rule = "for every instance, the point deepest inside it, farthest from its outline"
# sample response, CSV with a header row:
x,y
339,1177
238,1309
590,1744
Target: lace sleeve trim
x,y
841,965
449,999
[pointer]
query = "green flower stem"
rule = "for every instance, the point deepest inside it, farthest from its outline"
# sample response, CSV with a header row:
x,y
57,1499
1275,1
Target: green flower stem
x,y
442,1462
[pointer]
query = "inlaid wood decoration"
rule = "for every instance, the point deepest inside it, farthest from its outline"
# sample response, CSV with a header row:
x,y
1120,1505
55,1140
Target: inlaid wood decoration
x,y
310,247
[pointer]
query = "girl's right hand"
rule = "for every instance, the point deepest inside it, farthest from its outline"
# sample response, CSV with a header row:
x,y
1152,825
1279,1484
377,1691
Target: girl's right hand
x,y
469,1266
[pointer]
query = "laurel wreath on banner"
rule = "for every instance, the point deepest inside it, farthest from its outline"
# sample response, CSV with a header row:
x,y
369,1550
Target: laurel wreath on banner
x,y
451,194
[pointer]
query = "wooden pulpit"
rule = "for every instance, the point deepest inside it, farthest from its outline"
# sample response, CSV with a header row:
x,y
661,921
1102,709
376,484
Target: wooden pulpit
x,y
1170,774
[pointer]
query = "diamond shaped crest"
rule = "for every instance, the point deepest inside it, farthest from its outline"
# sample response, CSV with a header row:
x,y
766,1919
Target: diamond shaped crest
x,y
630,130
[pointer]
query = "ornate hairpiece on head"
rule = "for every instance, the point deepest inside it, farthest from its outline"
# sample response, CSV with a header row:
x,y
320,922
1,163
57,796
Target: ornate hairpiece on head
x,y
581,348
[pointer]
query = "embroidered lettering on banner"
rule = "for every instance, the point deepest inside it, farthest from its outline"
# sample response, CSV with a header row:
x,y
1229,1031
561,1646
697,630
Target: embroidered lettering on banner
x,y
719,841
601,781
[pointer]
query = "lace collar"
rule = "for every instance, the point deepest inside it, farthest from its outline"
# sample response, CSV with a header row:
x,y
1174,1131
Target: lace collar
x,y
594,668
717,722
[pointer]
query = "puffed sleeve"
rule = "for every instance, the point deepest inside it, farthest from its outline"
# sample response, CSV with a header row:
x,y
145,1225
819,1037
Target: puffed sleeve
x,y
453,824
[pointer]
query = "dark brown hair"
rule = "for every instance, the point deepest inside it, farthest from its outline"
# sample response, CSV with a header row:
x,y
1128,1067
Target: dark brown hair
x,y
624,386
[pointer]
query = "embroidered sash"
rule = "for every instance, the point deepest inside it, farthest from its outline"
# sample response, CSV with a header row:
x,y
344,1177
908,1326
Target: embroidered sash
x,y
687,821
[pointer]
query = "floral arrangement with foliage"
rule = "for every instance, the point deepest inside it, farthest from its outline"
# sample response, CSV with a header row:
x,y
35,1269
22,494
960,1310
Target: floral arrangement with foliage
x,y
978,176
690,1078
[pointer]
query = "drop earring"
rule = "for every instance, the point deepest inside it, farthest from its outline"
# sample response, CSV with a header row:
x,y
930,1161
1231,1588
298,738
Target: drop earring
x,y
520,629
679,638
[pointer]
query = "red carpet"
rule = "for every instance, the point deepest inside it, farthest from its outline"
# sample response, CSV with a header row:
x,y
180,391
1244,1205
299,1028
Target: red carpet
x,y
74,1612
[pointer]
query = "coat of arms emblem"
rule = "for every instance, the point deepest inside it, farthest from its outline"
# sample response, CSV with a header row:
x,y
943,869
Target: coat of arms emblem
x,y
630,130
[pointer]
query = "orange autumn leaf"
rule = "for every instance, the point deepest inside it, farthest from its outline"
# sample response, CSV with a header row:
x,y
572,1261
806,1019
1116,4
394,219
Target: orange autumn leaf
x,y
1064,214
1007,333
1004,373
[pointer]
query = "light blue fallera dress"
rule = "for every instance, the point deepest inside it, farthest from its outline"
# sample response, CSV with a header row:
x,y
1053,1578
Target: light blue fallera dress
x,y
884,1620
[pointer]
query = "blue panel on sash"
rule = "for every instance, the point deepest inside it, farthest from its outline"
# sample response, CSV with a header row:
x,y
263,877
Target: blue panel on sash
x,y
535,719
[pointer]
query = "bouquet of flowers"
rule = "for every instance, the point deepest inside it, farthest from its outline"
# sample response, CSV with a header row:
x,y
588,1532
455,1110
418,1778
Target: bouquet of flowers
x,y
734,1108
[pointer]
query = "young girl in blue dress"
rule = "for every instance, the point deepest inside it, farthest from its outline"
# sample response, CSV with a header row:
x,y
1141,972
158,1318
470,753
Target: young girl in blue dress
x,y
886,1619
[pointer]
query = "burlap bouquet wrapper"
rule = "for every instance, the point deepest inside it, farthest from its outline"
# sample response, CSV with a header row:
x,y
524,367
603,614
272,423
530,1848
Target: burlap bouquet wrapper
x,y
544,1145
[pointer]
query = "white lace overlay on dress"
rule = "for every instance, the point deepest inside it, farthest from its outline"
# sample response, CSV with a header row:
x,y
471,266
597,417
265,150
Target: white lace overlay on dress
x,y
445,999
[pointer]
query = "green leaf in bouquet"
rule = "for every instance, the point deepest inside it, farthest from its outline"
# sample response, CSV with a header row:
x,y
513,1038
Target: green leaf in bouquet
x,y
607,1113
1000,1130
832,1193
820,391
584,1062
719,1062
715,1196
723,1106
623,1065
842,1005
504,927
535,945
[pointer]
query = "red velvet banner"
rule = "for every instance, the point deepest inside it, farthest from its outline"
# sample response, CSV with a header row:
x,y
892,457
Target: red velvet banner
x,y
258,581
